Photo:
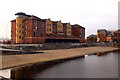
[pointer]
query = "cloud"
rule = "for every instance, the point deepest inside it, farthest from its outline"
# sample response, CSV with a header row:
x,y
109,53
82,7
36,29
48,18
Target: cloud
x,y
88,13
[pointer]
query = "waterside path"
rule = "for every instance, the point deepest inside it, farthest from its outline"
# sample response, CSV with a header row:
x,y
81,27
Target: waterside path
x,y
10,61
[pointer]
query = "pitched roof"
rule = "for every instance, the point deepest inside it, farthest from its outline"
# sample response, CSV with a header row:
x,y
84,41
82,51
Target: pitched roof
x,y
20,13
77,25
118,31
31,17
54,21
101,30
92,35
65,23
43,20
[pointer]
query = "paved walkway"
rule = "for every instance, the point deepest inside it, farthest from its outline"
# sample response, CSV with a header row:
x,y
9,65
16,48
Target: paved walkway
x,y
9,61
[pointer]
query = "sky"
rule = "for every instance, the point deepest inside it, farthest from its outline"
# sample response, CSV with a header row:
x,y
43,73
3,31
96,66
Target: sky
x,y
91,14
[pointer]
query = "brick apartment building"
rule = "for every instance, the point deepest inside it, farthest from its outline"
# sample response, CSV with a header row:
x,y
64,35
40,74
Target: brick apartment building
x,y
32,29
78,32
116,35
104,35
101,35
92,38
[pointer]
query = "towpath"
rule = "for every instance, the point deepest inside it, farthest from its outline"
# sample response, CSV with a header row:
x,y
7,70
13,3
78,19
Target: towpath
x,y
10,61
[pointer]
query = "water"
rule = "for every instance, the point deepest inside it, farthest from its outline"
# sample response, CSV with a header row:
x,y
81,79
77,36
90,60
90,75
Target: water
x,y
92,66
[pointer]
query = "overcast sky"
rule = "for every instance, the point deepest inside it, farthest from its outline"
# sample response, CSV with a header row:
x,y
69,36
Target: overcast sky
x,y
91,14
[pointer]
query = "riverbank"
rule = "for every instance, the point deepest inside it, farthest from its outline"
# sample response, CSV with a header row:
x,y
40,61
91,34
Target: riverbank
x,y
10,61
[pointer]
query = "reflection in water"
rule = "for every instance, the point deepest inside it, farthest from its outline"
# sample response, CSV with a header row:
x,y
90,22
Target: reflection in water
x,y
105,66
92,66
22,72
86,55
5,73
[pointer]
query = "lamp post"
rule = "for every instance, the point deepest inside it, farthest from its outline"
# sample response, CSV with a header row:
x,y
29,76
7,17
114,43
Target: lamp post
x,y
6,31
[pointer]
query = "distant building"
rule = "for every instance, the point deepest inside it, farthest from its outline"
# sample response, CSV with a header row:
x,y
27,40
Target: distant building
x,y
104,35
92,38
59,28
116,35
54,25
78,32
30,29
49,29
109,36
67,29
101,35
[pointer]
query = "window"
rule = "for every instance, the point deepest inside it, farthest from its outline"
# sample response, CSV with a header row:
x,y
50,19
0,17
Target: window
x,y
35,34
26,27
80,35
35,22
49,30
19,25
25,32
42,30
59,30
42,34
22,32
42,24
21,16
19,31
49,24
22,26
35,27
20,37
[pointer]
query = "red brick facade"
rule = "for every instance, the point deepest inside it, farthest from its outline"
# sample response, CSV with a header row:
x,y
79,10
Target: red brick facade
x,y
13,30
117,36
35,30
78,31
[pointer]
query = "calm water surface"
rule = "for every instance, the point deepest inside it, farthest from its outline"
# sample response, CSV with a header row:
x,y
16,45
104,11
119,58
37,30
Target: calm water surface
x,y
92,66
